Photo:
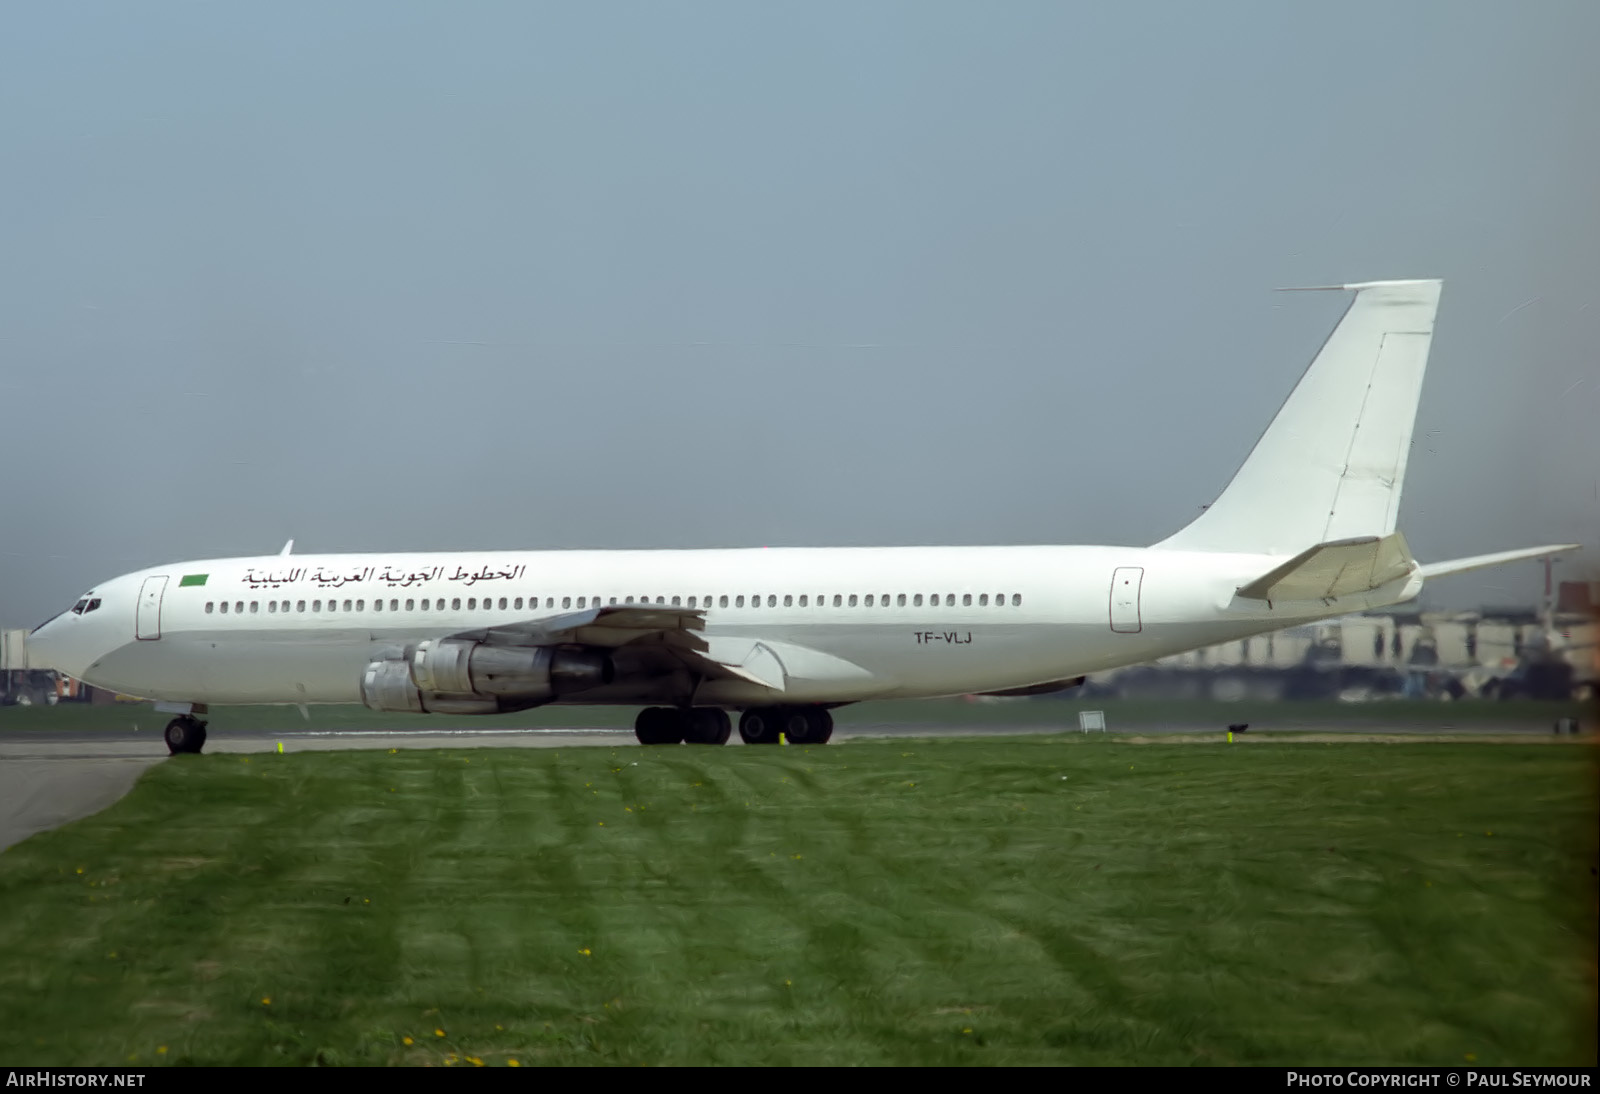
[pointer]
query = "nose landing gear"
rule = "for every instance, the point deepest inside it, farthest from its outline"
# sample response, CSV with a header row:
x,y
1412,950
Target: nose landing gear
x,y
185,734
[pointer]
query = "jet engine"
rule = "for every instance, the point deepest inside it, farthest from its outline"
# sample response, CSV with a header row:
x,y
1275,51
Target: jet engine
x,y
457,676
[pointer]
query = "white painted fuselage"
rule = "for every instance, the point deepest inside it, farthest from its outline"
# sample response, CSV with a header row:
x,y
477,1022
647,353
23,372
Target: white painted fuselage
x,y
847,623
1305,530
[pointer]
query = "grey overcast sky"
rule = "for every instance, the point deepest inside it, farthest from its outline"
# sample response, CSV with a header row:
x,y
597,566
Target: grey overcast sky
x,y
399,276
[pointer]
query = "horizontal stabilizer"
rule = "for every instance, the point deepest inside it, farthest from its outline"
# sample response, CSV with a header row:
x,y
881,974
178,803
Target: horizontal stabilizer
x,y
1479,562
1339,568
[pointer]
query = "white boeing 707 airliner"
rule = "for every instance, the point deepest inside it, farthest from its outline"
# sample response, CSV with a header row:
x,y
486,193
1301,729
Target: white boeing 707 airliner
x,y
1305,531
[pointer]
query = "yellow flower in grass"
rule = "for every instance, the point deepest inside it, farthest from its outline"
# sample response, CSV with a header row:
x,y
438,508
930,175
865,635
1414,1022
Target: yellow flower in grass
x,y
266,1000
584,951
406,1041
161,1050
512,1062
438,1033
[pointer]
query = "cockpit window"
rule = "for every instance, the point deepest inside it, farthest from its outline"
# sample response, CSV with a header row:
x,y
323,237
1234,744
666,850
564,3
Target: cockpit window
x,y
77,609
93,604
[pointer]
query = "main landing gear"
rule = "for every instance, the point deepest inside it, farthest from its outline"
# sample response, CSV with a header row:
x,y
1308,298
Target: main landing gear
x,y
710,726
798,725
185,733
670,726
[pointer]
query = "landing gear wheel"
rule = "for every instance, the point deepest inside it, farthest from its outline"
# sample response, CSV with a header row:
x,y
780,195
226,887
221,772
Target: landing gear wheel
x,y
761,725
659,726
807,725
708,726
185,734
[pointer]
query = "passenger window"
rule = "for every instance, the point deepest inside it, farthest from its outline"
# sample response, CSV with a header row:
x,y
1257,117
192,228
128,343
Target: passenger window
x,y
916,601
1016,600
772,600
901,600
677,602
966,600
999,599
299,605
722,601
788,600
518,604
883,599
238,606
472,603
613,600
411,605
394,605
224,607
837,600
983,600
286,605
802,600
316,605
272,606
377,605
852,600
503,603
361,605
738,602
933,599
661,600
209,605
566,602
950,600
869,600
346,605
692,601
549,601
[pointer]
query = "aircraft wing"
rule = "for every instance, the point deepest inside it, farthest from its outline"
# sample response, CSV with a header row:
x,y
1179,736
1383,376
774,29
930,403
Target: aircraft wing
x,y
673,632
609,626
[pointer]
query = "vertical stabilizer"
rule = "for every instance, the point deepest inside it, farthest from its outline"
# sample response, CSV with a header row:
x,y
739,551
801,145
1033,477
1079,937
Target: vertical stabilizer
x,y
1330,465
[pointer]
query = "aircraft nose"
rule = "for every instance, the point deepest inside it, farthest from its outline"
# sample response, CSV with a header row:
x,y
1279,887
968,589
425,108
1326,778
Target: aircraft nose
x,y
43,645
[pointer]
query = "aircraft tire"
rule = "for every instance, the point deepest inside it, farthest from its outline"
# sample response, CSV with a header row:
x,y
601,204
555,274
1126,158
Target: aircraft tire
x,y
807,726
708,726
659,726
185,735
761,725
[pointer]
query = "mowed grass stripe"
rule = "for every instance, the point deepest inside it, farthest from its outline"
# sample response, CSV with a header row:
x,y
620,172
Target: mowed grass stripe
x,y
1046,900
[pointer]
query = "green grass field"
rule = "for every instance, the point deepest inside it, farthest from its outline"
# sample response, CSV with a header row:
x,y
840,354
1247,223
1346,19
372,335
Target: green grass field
x,y
1044,900
1058,713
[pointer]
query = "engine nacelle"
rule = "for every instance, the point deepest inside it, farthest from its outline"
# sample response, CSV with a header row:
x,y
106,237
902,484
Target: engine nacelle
x,y
456,676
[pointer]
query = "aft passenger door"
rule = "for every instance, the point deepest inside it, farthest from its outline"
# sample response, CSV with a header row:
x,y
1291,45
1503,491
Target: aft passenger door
x,y
1125,582
148,624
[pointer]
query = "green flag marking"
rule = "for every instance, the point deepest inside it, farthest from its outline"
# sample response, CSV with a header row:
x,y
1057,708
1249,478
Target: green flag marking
x,y
193,579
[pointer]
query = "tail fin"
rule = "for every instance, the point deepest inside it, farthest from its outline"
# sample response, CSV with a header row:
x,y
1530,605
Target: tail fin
x,y
1330,465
